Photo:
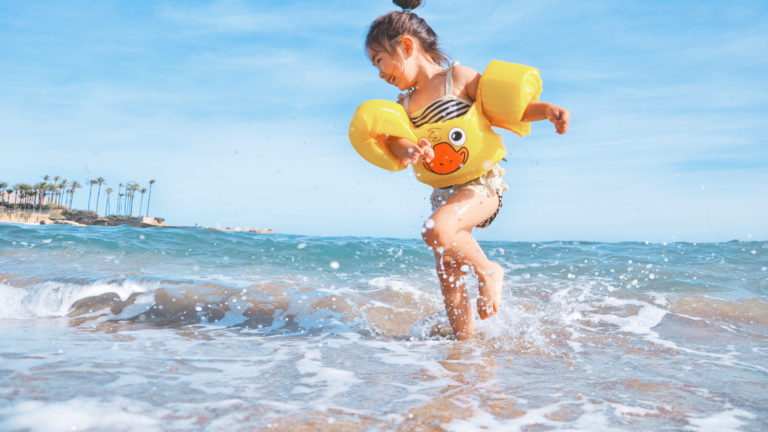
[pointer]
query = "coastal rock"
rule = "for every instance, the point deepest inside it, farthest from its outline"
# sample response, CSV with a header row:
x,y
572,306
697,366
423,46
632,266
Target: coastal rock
x,y
66,222
239,229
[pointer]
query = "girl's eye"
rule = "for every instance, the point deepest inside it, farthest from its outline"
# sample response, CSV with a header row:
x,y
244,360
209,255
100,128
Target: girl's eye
x,y
457,136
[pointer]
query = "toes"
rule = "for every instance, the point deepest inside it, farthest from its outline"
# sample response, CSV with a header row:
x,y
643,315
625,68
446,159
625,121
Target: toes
x,y
486,308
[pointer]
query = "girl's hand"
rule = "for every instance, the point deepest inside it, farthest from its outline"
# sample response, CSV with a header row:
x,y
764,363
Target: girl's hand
x,y
410,153
560,117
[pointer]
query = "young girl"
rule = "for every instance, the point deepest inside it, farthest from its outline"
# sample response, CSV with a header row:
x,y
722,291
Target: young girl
x,y
407,55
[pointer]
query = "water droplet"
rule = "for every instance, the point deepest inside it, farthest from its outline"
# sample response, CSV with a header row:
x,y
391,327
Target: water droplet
x,y
334,265
429,223
301,246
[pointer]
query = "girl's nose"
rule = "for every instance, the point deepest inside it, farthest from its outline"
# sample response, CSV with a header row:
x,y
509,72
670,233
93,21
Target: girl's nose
x,y
382,76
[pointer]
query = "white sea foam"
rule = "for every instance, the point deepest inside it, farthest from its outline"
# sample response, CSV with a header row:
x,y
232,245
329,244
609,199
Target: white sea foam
x,y
396,284
54,299
333,381
80,414
647,318
626,410
724,421
591,418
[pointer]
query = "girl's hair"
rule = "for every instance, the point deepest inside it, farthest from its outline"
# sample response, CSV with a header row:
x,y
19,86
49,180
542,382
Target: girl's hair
x,y
386,30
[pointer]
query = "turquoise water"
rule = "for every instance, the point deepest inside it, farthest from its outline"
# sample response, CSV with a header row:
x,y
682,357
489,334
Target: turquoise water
x,y
123,329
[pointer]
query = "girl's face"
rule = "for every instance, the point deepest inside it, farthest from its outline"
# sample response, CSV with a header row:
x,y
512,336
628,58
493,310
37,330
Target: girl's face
x,y
394,68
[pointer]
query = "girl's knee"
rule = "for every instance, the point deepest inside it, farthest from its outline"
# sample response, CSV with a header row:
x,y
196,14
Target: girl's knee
x,y
437,232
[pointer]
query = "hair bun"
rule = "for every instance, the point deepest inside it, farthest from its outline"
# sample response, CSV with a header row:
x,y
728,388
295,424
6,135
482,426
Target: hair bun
x,y
407,4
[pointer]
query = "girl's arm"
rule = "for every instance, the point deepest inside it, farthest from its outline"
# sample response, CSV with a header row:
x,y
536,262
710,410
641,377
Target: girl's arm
x,y
560,117
536,111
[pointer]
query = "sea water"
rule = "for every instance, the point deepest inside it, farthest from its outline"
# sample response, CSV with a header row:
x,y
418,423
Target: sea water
x,y
126,329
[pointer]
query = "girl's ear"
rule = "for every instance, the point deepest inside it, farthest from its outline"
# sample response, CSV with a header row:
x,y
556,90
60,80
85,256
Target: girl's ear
x,y
408,45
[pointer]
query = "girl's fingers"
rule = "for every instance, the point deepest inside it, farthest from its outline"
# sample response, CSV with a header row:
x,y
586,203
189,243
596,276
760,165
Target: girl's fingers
x,y
426,148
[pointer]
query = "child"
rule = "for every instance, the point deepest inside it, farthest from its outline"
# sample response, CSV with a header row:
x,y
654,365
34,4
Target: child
x,y
405,50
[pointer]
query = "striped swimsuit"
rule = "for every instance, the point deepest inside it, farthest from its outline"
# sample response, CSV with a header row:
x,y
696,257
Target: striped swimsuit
x,y
444,108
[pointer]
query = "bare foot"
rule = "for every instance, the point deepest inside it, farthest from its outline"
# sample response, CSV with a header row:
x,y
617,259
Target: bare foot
x,y
490,284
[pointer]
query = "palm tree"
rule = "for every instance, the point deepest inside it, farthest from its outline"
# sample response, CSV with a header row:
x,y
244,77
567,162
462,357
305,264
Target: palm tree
x,y
3,185
13,189
90,190
39,190
141,203
18,192
151,182
133,188
106,207
99,181
63,185
26,190
119,199
75,186
56,187
46,178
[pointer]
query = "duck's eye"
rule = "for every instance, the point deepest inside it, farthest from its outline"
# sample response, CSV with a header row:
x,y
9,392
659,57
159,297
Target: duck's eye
x,y
457,136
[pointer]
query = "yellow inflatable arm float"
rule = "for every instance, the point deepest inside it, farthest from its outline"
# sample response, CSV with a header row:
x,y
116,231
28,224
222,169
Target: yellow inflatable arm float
x,y
372,124
504,92
465,147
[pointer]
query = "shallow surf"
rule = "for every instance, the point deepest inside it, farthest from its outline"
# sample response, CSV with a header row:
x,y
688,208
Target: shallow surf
x,y
122,329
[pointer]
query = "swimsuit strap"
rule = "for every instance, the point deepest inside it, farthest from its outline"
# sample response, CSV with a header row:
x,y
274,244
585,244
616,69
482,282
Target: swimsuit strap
x,y
404,100
449,79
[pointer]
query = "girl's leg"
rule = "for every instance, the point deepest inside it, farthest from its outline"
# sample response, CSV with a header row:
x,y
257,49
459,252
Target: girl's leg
x,y
455,298
451,239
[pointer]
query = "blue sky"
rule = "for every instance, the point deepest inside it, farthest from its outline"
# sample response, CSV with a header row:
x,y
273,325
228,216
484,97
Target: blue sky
x,y
239,110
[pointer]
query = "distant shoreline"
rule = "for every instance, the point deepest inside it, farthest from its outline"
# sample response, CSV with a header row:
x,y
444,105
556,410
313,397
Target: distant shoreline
x,y
57,218
38,218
